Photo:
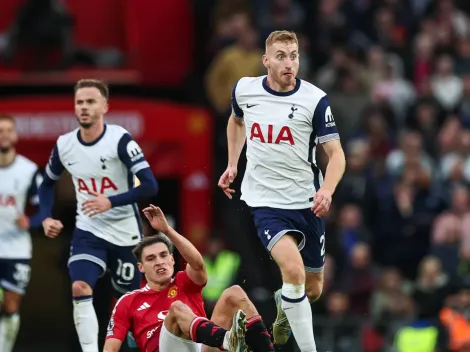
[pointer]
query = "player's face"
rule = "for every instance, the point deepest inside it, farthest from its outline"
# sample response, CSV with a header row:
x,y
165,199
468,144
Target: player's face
x,y
8,136
157,263
282,61
90,106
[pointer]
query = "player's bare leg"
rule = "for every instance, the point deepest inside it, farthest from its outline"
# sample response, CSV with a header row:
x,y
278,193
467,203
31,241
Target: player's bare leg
x,y
183,323
84,316
233,299
313,285
9,320
293,308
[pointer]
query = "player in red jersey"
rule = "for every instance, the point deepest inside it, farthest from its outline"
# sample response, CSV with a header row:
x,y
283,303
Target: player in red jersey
x,y
167,315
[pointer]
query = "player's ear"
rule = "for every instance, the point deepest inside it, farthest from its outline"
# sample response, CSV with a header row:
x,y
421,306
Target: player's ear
x,y
172,259
265,61
140,267
14,137
105,108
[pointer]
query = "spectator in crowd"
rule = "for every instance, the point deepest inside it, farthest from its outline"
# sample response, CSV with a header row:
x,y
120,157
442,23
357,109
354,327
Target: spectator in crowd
x,y
391,305
425,333
42,25
222,267
232,63
358,278
342,333
447,87
456,319
432,285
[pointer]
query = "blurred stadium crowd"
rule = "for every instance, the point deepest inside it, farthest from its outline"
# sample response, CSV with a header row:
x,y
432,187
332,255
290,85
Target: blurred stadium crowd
x,y
398,236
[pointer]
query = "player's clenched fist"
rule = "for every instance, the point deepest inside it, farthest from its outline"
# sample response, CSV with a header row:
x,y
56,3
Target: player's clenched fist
x,y
322,202
156,218
22,221
52,227
226,180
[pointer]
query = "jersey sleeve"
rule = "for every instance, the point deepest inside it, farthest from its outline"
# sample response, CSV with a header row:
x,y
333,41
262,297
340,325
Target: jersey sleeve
x,y
36,181
54,167
186,284
131,154
236,110
120,321
323,122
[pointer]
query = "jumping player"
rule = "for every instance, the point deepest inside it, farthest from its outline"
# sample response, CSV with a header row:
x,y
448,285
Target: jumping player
x,y
103,161
283,119
168,315
20,179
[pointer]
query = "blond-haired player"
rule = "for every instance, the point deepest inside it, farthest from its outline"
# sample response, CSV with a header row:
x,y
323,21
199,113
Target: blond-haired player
x,y
283,119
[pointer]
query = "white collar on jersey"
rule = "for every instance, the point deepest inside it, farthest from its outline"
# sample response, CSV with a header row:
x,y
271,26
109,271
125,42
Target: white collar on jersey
x,y
281,94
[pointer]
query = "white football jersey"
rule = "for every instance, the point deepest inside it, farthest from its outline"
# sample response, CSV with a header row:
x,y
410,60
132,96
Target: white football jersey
x,y
282,131
105,166
19,184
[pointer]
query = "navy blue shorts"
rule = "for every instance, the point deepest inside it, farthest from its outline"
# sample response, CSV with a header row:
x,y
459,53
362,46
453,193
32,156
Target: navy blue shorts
x,y
119,261
15,274
309,231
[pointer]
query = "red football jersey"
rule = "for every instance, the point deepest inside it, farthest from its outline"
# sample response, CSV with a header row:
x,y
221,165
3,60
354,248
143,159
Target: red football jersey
x,y
143,311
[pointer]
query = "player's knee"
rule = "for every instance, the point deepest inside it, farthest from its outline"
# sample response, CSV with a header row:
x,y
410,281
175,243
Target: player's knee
x,y
81,288
234,296
10,306
314,287
313,291
293,273
178,309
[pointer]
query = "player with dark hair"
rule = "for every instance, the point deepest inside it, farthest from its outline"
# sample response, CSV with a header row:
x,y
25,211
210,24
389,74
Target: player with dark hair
x,y
103,161
20,179
168,315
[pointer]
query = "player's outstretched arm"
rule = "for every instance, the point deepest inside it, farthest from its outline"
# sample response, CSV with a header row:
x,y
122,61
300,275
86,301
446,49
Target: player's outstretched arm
x,y
236,140
112,345
196,269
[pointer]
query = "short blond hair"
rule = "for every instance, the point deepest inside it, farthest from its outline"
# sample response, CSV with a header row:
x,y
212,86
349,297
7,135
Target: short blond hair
x,y
282,36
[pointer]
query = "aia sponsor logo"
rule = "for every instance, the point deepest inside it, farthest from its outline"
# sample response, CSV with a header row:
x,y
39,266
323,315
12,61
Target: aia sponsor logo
x,y
7,201
99,186
271,135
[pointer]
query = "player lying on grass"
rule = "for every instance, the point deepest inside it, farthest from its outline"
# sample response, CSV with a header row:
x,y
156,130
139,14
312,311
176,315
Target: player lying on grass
x,y
168,314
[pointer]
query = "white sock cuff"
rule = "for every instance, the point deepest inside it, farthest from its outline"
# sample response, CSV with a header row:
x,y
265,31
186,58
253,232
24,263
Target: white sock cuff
x,y
83,300
293,293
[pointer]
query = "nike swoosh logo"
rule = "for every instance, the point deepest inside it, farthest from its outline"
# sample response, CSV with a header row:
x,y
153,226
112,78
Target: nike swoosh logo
x,y
122,282
70,164
250,106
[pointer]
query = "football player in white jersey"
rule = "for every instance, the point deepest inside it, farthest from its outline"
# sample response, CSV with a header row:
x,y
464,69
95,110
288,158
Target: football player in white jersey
x,y
283,118
103,161
20,179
